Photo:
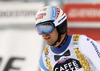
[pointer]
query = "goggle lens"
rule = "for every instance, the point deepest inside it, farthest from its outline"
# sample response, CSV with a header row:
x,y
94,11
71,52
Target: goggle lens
x,y
46,27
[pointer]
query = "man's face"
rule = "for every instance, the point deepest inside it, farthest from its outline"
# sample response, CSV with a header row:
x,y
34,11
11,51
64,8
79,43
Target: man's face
x,y
50,38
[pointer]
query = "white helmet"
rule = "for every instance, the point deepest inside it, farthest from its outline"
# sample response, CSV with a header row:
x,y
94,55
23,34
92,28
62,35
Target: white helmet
x,y
55,14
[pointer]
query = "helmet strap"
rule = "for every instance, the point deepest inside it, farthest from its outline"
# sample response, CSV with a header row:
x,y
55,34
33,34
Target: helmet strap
x,y
59,38
62,43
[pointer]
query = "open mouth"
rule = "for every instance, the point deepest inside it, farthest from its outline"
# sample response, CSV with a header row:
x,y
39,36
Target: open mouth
x,y
47,38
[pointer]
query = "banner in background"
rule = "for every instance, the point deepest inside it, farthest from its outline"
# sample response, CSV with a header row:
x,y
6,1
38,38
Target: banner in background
x,y
20,49
85,12
83,18
21,12
93,33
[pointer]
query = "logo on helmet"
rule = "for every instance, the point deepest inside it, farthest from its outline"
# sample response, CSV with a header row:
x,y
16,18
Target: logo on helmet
x,y
40,16
58,11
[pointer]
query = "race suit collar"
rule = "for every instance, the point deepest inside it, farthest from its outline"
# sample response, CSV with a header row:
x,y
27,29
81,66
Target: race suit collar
x,y
64,47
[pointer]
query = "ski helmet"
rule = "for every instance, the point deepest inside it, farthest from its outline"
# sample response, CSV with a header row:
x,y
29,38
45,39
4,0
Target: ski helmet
x,y
55,14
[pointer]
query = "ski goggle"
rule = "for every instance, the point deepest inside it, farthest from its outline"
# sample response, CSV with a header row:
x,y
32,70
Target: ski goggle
x,y
45,27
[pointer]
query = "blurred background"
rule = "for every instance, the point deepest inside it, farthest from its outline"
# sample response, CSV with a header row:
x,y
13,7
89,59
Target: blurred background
x,y
21,46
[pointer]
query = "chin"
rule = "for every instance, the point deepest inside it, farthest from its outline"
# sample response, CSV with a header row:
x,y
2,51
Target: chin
x,y
49,44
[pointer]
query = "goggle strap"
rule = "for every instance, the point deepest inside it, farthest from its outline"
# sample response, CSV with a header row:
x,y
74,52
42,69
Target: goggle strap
x,y
60,20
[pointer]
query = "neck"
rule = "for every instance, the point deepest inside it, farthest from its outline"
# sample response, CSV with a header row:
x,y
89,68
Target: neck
x,y
60,43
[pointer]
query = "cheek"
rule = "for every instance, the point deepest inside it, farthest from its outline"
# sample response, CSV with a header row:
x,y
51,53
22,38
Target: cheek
x,y
55,35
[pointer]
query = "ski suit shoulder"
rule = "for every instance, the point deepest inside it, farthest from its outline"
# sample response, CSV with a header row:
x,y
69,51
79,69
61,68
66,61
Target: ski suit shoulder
x,y
91,49
43,66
